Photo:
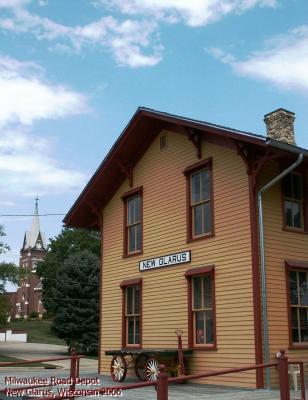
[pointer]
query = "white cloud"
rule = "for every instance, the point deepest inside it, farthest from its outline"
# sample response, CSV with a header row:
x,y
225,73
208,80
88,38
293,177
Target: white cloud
x,y
13,3
132,42
192,12
26,96
284,62
27,166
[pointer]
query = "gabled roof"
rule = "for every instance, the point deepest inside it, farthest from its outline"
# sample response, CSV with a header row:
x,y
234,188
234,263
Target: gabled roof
x,y
137,136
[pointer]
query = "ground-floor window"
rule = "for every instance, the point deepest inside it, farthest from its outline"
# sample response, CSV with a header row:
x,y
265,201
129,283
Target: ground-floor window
x,y
298,303
131,313
201,307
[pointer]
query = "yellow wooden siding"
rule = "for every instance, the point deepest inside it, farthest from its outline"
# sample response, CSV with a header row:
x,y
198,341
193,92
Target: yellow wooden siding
x,y
279,246
165,289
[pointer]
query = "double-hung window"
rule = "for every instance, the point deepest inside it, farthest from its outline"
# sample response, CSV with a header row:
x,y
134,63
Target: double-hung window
x,y
293,201
133,222
200,222
201,307
132,298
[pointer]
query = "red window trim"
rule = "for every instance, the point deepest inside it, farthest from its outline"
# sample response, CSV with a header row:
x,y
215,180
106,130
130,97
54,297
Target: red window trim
x,y
293,265
131,282
198,165
136,191
286,228
124,285
207,163
199,271
189,274
132,192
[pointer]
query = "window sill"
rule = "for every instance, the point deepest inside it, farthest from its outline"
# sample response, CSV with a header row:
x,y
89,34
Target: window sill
x,y
195,239
293,230
137,253
209,347
132,347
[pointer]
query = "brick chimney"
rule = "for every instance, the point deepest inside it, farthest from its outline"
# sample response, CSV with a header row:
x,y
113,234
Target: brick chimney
x,y
280,125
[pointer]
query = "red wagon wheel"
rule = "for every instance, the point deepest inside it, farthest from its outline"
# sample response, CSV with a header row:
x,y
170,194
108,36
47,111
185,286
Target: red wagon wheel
x,y
152,369
140,367
118,368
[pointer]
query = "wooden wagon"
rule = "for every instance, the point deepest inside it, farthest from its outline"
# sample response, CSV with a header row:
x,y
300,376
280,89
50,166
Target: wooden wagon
x,y
146,361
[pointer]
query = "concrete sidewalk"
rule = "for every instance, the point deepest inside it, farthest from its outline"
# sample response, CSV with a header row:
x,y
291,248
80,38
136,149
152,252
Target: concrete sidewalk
x,y
32,351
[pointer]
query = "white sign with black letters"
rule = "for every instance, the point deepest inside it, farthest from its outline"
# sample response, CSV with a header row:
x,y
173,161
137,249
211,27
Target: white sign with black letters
x,y
165,261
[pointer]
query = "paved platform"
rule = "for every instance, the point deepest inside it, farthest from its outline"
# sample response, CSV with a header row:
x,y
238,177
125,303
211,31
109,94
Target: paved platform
x,y
190,391
176,392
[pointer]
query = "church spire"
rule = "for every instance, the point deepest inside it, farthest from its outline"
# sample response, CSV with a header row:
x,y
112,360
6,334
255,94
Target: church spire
x,y
36,205
35,226
34,239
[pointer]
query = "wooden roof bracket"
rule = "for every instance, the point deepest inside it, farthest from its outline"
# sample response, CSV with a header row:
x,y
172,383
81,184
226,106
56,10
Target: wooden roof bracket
x,y
253,167
128,170
195,137
96,210
258,164
243,153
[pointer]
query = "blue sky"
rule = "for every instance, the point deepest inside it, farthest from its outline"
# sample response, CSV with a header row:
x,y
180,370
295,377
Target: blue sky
x,y
72,73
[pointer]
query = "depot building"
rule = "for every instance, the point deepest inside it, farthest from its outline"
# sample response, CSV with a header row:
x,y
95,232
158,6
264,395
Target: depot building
x,y
175,201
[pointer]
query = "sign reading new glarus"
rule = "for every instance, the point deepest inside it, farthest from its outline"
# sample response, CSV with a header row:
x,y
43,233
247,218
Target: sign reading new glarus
x,y
165,261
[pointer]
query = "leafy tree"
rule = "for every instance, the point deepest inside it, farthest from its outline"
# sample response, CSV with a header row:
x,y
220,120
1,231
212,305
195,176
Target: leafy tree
x,y
3,246
4,309
75,297
68,242
8,273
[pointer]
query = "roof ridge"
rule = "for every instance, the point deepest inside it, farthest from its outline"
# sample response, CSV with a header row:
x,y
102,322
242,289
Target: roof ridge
x,y
214,125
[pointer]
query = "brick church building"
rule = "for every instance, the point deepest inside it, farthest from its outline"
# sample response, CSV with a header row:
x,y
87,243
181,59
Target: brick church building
x,y
28,298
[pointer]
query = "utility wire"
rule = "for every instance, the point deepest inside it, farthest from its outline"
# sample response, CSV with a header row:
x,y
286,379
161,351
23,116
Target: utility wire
x,y
31,215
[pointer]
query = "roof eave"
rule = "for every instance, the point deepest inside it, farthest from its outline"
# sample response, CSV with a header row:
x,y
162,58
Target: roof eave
x,y
71,220
289,148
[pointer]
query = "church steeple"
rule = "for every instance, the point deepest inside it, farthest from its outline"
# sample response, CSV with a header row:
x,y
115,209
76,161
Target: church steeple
x,y
34,239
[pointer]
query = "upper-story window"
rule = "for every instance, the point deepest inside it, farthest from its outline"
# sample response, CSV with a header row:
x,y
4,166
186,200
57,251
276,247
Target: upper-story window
x,y
293,201
133,222
200,200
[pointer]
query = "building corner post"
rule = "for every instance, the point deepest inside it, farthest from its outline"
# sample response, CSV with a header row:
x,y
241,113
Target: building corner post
x,y
263,261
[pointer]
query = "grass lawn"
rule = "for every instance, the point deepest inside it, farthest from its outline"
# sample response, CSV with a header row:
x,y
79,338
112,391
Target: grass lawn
x,y
92,357
38,331
12,359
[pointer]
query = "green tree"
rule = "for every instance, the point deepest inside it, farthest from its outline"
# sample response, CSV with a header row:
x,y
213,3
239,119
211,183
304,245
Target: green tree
x,y
75,297
68,242
8,273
